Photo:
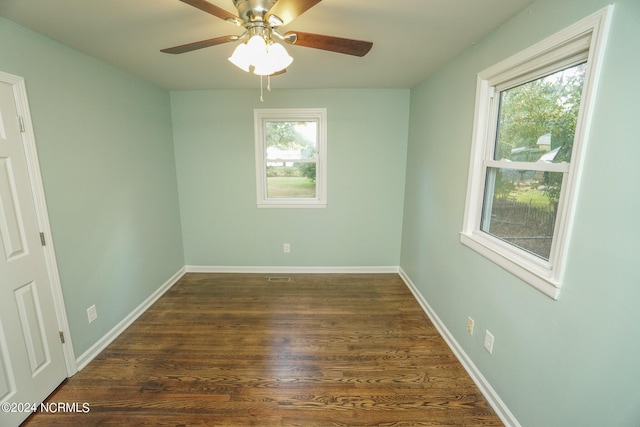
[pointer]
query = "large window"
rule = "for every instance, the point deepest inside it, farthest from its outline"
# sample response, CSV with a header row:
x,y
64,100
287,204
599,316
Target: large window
x,y
530,131
291,157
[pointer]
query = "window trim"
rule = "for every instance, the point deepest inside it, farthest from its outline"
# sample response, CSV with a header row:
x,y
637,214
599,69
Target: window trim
x,y
318,115
584,40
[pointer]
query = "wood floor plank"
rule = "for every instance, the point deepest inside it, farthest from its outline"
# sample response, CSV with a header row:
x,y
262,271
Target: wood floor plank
x,y
313,350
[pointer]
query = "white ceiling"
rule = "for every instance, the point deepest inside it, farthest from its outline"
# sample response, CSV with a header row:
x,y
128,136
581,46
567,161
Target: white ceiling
x,y
411,38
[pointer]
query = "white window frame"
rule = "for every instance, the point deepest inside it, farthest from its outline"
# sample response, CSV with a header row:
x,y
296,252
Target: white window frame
x,y
319,115
584,40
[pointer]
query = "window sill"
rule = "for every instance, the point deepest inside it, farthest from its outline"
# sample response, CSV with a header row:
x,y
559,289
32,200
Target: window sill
x,y
526,270
290,205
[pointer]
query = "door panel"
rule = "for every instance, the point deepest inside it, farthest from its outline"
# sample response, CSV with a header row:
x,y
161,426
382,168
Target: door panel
x,y
32,361
33,332
10,227
5,373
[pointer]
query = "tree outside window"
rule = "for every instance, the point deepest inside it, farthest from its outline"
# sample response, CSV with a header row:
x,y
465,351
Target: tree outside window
x,y
536,123
290,157
531,123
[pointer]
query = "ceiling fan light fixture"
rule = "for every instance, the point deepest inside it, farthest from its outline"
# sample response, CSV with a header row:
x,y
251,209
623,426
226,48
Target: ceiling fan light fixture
x,y
241,57
277,58
266,59
257,48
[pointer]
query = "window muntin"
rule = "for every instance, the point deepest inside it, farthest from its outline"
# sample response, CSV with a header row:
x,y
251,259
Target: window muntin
x,y
516,158
290,157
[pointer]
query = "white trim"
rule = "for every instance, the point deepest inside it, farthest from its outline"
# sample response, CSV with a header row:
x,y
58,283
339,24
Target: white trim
x,y
292,204
538,281
487,391
37,189
108,338
319,115
528,166
291,269
599,22
584,39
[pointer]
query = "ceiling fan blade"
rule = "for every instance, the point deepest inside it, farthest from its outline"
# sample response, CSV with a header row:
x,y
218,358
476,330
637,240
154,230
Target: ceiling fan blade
x,y
198,45
212,9
330,43
288,10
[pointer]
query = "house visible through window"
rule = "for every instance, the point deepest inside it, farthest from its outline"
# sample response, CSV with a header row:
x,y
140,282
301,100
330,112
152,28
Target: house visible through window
x,y
291,157
531,125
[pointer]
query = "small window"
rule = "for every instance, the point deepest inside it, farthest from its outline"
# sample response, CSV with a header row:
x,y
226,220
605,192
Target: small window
x,y
290,157
531,123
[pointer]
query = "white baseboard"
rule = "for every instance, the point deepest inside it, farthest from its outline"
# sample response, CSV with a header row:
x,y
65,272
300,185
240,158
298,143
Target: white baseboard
x,y
485,388
101,344
291,270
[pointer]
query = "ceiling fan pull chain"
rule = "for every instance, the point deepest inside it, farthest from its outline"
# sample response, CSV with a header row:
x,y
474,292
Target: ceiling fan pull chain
x,y
261,97
269,82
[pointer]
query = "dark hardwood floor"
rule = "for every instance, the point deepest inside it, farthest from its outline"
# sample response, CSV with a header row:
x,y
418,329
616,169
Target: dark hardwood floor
x,y
238,349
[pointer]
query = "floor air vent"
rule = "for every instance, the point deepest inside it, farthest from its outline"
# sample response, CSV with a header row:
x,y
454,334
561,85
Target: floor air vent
x,y
279,279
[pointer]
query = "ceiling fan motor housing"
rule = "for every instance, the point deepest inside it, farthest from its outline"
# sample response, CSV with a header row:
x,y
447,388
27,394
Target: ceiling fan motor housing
x,y
253,10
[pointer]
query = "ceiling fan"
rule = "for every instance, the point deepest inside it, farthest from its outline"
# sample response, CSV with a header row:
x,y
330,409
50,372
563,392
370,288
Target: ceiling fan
x,y
263,18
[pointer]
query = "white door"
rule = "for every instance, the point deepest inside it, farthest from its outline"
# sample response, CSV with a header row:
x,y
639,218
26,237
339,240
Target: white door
x,y
32,362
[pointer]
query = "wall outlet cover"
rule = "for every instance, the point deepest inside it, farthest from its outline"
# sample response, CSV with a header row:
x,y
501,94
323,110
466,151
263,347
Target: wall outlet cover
x,y
488,341
92,313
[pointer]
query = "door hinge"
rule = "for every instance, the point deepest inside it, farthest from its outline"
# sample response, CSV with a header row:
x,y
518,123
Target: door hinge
x,y
43,240
61,337
21,123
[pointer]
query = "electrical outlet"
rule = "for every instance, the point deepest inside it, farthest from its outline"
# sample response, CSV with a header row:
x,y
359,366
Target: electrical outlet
x,y
470,325
286,248
92,313
488,341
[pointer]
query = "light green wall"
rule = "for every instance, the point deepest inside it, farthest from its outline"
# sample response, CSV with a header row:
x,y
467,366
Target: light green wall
x,y
571,362
105,147
221,224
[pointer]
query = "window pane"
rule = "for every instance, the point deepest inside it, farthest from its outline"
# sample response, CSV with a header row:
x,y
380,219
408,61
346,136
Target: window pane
x,y
291,140
291,180
520,208
537,120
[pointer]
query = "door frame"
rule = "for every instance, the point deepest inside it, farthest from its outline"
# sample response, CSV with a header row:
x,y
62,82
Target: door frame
x,y
37,190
